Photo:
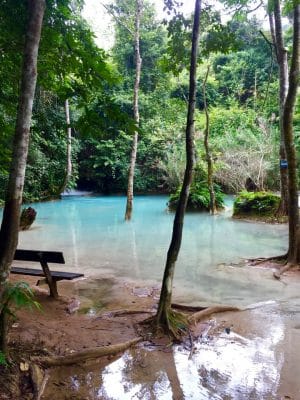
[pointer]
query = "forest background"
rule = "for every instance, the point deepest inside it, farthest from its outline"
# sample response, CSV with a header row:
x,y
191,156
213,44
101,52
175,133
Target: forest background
x,y
241,90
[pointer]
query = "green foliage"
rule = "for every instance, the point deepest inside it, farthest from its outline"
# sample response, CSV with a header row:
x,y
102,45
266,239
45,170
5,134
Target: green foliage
x,y
100,92
199,197
18,295
244,145
2,359
255,203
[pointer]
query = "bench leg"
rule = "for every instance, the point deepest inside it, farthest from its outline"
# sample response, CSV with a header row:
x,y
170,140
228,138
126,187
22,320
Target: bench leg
x,y
51,282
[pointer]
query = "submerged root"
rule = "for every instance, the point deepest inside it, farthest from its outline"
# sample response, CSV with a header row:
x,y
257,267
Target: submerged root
x,y
282,270
85,355
261,260
200,315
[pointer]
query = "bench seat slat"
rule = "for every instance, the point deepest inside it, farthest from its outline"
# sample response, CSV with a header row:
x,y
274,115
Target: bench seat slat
x,y
34,255
57,275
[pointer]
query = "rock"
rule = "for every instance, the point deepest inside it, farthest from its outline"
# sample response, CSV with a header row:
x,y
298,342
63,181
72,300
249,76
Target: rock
x,y
27,218
73,306
24,366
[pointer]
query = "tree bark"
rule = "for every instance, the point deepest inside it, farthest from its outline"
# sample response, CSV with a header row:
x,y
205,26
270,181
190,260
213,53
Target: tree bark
x,y
164,305
84,355
11,214
275,20
209,161
68,173
289,141
3,333
198,316
138,67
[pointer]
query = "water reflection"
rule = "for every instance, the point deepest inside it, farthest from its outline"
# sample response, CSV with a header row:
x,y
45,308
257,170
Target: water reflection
x,y
227,366
95,239
244,364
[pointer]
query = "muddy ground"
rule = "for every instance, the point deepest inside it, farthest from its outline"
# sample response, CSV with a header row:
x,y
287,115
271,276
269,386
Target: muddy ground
x,y
251,354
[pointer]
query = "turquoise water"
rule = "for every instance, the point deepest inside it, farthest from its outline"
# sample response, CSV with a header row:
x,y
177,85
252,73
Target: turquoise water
x,y
96,240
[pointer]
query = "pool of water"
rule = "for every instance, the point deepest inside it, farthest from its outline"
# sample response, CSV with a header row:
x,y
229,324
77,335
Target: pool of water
x,y
256,359
96,240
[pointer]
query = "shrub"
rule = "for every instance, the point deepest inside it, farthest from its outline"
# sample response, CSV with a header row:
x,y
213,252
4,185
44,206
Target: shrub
x,y
255,204
199,197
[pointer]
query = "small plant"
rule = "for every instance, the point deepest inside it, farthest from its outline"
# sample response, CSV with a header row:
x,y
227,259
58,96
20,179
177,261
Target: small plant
x,y
199,197
15,296
19,295
255,204
3,361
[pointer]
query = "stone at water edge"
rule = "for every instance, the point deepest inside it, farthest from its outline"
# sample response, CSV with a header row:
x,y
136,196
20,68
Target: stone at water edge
x,y
27,218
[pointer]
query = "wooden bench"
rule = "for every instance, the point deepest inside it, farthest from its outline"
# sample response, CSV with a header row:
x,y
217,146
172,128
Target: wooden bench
x,y
44,257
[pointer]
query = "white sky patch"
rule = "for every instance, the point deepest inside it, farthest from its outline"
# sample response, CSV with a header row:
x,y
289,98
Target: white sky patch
x,y
100,21
103,25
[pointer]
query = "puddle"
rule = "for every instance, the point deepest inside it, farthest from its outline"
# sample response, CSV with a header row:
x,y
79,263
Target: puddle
x,y
247,363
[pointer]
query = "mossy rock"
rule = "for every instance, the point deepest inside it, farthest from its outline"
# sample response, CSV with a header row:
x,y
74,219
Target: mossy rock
x,y
199,197
256,205
27,218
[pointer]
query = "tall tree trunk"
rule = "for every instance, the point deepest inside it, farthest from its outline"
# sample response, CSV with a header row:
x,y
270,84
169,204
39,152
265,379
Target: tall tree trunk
x,y
68,173
3,333
289,140
209,161
164,306
11,214
275,20
138,66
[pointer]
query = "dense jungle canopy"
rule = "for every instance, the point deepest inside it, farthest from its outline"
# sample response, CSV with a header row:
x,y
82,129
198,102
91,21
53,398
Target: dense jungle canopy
x,y
242,99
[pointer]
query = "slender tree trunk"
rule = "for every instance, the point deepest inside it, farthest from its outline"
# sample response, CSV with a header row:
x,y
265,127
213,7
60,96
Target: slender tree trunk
x,y
11,214
166,291
3,333
289,140
275,20
69,148
138,67
209,161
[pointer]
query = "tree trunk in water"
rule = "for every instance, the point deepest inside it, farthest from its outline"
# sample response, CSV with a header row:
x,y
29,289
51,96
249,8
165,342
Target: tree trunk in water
x,y
11,214
164,305
69,148
210,167
281,55
138,66
289,140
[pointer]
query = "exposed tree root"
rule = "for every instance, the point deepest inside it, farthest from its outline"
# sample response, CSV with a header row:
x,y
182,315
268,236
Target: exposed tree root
x,y
177,324
198,316
39,379
257,261
81,356
120,313
187,308
192,350
282,270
